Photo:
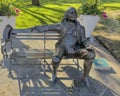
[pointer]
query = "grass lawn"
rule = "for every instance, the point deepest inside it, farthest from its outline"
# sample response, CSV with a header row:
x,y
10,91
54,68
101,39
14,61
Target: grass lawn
x,y
47,13
107,31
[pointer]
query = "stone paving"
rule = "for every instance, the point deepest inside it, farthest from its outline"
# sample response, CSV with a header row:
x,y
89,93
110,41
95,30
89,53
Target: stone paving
x,y
29,80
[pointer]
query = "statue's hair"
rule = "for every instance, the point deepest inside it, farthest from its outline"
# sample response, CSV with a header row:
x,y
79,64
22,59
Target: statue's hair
x,y
66,15
66,18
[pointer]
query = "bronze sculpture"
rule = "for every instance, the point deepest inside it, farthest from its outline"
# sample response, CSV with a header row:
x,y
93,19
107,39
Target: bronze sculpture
x,y
72,42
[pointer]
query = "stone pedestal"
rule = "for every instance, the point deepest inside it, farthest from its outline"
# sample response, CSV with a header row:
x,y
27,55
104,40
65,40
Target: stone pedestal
x,y
89,22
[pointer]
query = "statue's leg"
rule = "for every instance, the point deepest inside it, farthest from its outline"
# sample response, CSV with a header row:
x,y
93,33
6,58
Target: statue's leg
x,y
55,63
87,68
88,60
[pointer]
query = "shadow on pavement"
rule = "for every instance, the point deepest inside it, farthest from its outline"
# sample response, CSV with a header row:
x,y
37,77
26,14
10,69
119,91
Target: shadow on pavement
x,y
33,82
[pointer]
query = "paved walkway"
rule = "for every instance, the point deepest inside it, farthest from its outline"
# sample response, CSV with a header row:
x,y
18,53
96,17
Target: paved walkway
x,y
29,80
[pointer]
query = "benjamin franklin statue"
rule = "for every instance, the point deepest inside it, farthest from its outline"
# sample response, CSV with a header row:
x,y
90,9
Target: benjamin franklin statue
x,y
72,43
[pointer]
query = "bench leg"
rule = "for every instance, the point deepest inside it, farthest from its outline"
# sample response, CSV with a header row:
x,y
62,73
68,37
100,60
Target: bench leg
x,y
10,66
77,63
44,68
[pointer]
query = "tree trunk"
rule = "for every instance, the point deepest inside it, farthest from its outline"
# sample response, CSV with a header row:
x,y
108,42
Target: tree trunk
x,y
35,2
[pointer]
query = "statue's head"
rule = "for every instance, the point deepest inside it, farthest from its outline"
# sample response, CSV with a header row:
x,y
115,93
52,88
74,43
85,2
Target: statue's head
x,y
71,14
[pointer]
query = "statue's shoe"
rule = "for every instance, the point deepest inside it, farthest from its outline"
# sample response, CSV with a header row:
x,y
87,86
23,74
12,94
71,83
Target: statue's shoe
x,y
85,83
88,84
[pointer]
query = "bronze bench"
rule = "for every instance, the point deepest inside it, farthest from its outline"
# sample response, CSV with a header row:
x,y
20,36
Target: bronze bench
x,y
13,53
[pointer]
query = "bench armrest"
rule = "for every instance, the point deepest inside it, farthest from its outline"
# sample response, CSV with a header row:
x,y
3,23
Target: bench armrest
x,y
4,50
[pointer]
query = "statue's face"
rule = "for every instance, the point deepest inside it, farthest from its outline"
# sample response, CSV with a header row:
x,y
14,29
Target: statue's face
x,y
71,14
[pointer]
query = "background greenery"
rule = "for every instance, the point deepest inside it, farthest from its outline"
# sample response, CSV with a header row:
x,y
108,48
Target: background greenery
x,y
50,11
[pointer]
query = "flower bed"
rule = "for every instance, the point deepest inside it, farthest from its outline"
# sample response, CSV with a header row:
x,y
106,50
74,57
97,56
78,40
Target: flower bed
x,y
6,8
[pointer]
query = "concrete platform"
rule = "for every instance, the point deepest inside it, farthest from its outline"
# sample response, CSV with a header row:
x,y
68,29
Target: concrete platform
x,y
29,80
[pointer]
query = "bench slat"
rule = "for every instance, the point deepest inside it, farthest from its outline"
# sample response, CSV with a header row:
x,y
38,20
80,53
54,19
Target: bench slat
x,y
36,38
36,35
41,54
36,54
24,33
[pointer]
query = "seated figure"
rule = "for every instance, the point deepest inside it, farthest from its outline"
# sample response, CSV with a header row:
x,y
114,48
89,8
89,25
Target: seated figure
x,y
72,42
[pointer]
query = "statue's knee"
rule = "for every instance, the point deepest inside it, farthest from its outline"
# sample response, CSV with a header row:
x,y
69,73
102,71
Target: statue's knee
x,y
55,60
91,55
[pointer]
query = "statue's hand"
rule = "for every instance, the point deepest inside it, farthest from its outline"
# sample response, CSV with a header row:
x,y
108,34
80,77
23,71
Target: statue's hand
x,y
89,47
38,29
83,52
